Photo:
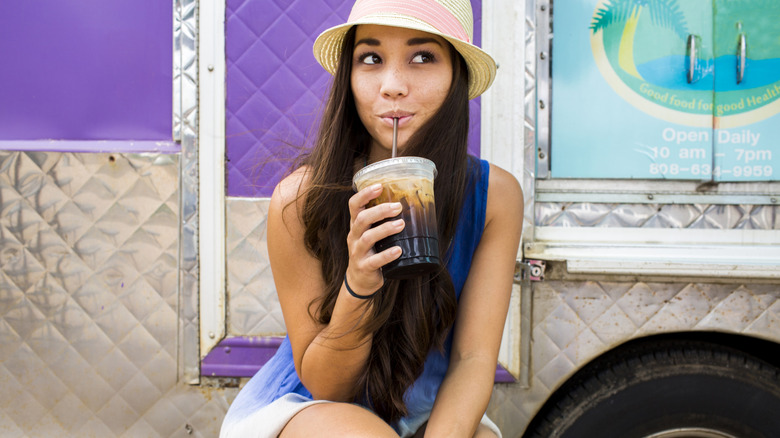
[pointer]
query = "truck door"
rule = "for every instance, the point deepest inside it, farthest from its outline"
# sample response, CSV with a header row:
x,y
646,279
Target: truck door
x,y
746,43
682,91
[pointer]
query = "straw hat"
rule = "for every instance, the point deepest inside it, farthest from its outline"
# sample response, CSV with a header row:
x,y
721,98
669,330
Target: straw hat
x,y
450,19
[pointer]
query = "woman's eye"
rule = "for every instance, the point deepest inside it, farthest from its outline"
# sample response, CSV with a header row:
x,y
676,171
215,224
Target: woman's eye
x,y
370,59
422,58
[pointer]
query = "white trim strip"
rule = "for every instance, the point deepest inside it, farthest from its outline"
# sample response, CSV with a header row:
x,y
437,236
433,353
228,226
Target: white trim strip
x,y
673,269
649,198
674,236
648,251
211,165
93,146
502,131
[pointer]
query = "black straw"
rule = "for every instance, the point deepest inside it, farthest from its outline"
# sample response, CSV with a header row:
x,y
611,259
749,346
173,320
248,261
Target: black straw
x,y
395,135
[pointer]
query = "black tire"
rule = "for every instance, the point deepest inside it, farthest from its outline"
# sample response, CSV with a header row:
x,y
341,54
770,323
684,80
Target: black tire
x,y
672,389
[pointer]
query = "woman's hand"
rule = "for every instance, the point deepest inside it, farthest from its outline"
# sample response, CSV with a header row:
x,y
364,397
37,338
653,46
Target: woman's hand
x,y
364,273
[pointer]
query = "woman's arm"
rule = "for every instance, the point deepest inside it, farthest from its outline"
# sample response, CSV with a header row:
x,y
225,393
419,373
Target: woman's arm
x,y
328,358
465,391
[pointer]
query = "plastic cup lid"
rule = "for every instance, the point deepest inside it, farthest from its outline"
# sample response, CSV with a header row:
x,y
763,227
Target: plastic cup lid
x,y
392,162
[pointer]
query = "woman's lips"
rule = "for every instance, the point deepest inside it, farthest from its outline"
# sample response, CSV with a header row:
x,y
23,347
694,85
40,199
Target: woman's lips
x,y
402,117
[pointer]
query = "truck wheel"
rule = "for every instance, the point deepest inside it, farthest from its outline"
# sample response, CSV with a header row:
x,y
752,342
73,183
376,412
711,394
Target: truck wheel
x,y
670,389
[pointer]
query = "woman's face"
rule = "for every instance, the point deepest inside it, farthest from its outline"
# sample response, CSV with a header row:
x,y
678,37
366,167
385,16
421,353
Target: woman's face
x,y
399,73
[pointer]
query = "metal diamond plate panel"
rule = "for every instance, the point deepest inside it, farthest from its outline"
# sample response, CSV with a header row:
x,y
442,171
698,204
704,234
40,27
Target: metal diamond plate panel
x,y
573,322
186,130
529,112
89,299
695,216
253,307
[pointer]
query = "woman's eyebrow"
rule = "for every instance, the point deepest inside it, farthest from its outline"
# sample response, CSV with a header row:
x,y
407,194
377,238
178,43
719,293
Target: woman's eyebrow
x,y
411,42
368,42
422,40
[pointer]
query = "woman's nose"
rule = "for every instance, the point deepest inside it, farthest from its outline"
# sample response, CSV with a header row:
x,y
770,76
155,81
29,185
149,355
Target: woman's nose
x,y
394,82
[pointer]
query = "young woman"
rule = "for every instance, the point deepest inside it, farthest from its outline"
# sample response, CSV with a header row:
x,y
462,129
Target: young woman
x,y
365,355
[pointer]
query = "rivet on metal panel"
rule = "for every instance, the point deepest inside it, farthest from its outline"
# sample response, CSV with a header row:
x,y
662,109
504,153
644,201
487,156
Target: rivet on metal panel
x,y
773,200
650,196
211,335
188,429
211,67
531,270
542,55
541,104
544,7
536,273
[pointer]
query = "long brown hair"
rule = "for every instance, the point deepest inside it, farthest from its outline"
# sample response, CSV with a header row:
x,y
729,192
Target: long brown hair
x,y
408,318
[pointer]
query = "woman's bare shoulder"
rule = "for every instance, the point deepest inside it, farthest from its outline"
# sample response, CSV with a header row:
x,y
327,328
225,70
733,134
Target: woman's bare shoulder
x,y
504,189
292,186
505,202
284,210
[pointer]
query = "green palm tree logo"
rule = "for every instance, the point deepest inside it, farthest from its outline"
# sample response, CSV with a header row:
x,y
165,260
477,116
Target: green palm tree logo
x,y
663,13
662,56
641,49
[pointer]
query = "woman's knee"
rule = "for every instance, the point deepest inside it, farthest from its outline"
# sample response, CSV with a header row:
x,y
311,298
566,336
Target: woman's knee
x,y
337,419
481,432
484,432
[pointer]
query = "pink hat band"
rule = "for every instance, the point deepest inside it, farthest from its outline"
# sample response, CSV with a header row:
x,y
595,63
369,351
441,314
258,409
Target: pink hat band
x,y
449,19
435,14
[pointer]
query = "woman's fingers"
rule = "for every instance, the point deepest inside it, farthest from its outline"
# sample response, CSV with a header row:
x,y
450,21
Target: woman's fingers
x,y
366,274
369,217
363,248
367,229
368,225
373,235
376,261
358,201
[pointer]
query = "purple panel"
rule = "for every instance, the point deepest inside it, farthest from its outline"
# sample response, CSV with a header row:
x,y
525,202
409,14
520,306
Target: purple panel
x,y
86,70
475,104
243,357
503,376
275,86
239,357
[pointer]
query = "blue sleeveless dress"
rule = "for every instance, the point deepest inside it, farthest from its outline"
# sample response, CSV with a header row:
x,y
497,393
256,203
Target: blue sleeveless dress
x,y
275,393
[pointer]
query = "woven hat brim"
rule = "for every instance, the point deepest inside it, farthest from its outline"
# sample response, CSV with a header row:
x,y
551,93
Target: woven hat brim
x,y
482,66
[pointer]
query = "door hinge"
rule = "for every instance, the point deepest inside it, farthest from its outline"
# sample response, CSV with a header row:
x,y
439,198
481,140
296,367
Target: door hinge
x,y
531,270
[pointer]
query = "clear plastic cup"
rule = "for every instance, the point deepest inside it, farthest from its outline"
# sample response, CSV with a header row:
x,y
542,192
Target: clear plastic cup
x,y
408,180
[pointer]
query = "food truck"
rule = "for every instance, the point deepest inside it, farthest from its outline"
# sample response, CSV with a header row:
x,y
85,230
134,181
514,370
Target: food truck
x,y
140,142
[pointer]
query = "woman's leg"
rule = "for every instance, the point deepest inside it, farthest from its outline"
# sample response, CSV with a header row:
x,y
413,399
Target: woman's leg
x,y
343,420
482,432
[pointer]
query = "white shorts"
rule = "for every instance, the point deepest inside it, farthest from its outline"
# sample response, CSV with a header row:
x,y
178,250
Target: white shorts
x,y
269,421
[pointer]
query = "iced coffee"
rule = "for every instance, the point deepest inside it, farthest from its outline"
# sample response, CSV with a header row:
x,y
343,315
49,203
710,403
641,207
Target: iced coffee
x,y
409,181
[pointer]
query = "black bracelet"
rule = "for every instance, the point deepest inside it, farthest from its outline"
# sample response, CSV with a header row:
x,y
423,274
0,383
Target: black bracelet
x,y
362,297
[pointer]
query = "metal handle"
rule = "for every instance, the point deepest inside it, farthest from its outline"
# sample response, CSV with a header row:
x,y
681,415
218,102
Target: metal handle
x,y
741,57
691,57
